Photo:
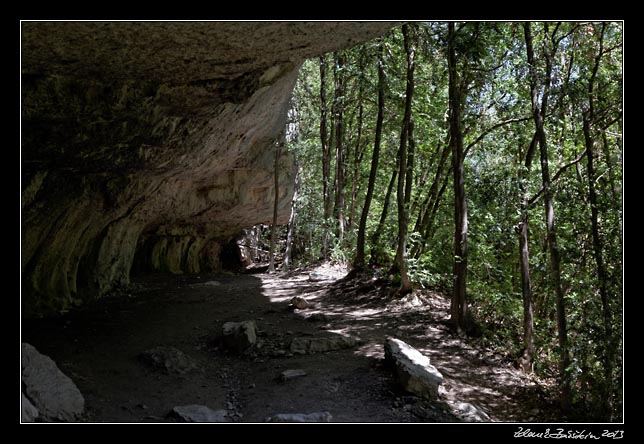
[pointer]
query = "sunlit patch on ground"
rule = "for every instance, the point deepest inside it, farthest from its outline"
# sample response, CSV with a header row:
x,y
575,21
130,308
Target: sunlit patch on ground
x,y
369,311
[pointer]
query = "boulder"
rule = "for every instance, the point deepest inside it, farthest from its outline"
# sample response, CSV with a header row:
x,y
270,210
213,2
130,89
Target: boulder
x,y
29,412
470,412
51,392
413,369
322,344
239,336
198,413
169,360
301,417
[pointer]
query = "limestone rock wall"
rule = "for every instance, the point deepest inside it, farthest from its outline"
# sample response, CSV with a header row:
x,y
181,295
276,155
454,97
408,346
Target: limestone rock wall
x,y
152,143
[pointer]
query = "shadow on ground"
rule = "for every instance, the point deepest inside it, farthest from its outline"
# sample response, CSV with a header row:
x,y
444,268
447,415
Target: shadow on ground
x,y
99,345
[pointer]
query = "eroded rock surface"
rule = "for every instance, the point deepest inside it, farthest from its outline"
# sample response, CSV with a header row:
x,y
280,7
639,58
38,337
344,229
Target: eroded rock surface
x,y
149,145
198,413
52,393
29,413
413,369
470,412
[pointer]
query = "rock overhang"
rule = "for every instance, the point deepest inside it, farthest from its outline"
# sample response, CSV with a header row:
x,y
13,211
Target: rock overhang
x,y
155,134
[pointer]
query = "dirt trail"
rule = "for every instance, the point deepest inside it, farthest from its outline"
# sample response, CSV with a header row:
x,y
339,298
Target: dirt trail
x,y
99,347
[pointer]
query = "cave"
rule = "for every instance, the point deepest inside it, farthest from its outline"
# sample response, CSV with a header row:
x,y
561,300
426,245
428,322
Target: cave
x,y
148,146
198,199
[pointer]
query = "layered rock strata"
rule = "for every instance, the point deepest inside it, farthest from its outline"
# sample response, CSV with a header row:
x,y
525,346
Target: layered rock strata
x,y
150,145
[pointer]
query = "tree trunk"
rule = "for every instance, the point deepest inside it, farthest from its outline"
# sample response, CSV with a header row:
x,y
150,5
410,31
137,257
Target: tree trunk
x,y
271,264
527,358
556,275
423,225
615,196
431,229
538,113
338,111
411,148
375,238
459,297
602,275
291,226
601,272
359,261
326,161
357,153
417,207
405,170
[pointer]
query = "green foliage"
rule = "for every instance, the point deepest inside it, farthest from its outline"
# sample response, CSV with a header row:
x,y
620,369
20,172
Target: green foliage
x,y
422,272
492,65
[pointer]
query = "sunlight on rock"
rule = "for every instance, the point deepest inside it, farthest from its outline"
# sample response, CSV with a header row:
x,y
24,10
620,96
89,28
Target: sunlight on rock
x,y
371,350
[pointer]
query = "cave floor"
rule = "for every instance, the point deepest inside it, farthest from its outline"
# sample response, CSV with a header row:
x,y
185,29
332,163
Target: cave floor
x,y
98,347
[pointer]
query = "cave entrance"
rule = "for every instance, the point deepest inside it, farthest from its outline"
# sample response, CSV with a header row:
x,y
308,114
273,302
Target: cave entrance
x,y
191,255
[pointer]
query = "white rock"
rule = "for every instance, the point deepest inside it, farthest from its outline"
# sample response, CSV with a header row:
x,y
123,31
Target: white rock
x,y
29,412
52,392
199,413
413,369
470,412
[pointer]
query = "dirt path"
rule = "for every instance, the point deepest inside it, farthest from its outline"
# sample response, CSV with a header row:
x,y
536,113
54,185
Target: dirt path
x,y
99,347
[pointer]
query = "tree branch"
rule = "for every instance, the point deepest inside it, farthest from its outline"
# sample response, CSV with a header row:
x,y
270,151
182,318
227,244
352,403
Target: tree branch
x,y
534,198
492,128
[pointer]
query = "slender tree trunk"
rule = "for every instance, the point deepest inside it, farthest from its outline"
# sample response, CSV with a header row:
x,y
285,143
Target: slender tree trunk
x,y
431,229
339,145
355,173
271,264
601,272
566,396
326,161
423,225
375,238
459,298
527,358
615,197
539,113
357,156
404,172
411,148
602,275
291,225
416,206
359,261
423,206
